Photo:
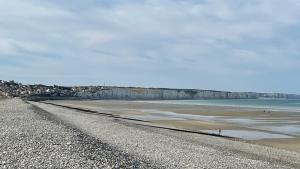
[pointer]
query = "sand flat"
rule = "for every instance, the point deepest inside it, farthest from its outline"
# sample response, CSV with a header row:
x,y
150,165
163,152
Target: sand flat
x,y
174,149
195,124
209,118
292,144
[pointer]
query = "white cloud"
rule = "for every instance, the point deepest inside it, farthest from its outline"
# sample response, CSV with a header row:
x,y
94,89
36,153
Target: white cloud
x,y
30,9
190,40
13,47
6,47
92,38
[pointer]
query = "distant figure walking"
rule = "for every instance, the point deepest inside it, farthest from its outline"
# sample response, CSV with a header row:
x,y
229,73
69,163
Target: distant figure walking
x,y
220,131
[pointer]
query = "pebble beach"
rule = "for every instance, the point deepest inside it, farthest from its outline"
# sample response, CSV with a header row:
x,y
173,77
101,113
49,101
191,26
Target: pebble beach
x,y
38,135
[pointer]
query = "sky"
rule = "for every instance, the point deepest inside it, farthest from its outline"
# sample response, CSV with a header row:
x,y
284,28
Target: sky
x,y
232,45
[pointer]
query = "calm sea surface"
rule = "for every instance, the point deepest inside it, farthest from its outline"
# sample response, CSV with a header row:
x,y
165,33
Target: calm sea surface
x,y
273,104
261,126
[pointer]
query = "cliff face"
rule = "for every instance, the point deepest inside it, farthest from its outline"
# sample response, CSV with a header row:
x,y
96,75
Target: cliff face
x,y
173,94
12,89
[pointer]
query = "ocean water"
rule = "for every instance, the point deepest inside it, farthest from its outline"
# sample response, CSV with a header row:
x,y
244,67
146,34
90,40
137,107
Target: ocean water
x,y
264,128
285,126
270,104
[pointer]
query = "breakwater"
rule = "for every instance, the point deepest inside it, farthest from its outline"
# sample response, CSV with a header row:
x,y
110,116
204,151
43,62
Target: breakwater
x,y
13,89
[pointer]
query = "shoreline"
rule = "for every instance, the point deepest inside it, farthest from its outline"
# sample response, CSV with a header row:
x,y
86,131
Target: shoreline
x,y
70,138
185,150
34,138
221,105
211,118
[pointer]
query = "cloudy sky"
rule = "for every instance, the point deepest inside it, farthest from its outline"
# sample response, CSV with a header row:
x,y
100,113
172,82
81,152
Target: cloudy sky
x,y
234,45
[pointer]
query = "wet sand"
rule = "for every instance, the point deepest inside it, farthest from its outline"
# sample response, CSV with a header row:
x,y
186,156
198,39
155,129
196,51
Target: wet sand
x,y
292,144
209,119
195,124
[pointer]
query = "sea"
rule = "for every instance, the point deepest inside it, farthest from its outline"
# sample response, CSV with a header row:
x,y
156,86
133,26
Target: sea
x,y
262,127
269,104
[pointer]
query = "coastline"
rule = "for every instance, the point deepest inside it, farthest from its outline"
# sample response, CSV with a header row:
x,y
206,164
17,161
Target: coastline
x,y
185,102
172,148
211,118
62,137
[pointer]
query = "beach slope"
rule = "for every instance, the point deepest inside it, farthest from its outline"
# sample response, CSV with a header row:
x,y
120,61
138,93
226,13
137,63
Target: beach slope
x,y
173,149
